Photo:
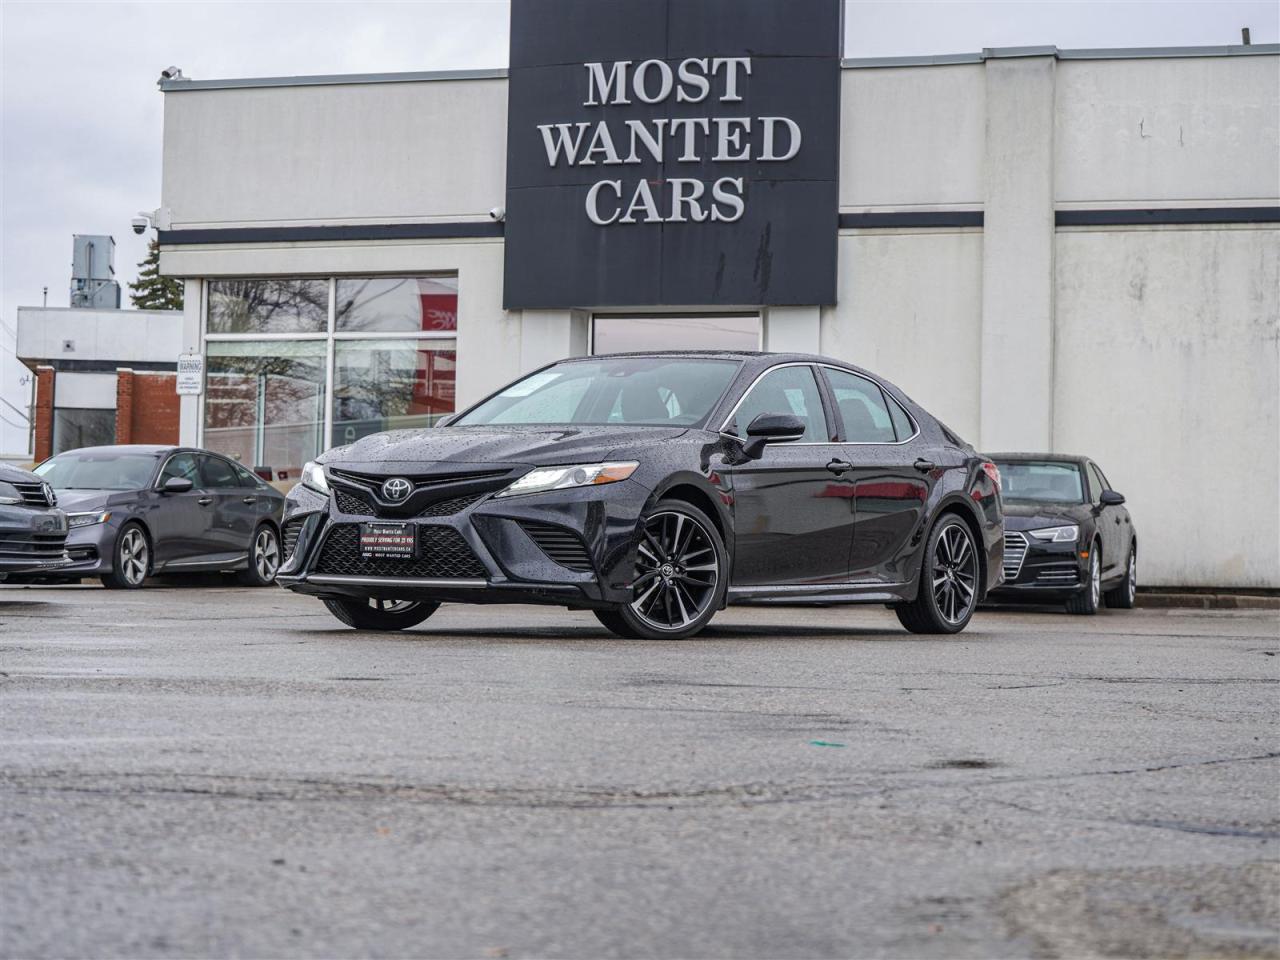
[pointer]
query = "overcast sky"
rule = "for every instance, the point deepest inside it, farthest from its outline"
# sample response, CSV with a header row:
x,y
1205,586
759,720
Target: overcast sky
x,y
82,116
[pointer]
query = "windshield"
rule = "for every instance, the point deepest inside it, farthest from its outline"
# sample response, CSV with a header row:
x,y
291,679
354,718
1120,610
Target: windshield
x,y
635,391
1042,480
98,471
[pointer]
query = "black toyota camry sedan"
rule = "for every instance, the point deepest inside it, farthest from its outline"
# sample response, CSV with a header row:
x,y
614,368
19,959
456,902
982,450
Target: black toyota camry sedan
x,y
655,489
1068,536
139,509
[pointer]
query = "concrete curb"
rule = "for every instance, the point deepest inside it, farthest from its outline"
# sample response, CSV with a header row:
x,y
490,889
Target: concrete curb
x,y
1209,601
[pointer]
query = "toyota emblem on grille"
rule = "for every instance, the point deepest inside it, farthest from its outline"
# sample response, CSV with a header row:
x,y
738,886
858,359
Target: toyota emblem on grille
x,y
396,489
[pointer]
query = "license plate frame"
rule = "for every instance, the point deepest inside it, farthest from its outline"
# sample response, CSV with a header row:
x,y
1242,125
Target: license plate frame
x,y
388,541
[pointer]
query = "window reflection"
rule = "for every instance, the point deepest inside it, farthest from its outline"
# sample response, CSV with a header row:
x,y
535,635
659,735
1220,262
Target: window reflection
x,y
397,304
276,305
390,385
264,403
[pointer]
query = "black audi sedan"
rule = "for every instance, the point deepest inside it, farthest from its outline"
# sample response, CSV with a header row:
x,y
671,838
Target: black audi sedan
x,y
655,489
33,531
1068,536
137,509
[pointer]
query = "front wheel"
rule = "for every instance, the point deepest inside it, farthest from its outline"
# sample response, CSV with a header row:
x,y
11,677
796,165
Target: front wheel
x,y
132,560
1124,596
680,579
375,614
264,558
1086,602
949,574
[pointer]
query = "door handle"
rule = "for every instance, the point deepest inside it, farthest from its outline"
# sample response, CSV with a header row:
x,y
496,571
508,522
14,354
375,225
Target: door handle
x,y
205,501
838,467
249,500
923,465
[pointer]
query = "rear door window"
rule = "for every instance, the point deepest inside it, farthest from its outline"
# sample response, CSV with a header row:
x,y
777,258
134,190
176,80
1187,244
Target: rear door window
x,y
863,411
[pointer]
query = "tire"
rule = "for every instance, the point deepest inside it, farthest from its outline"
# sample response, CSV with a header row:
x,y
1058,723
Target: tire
x,y
130,559
681,576
1086,602
1124,596
949,572
264,558
375,614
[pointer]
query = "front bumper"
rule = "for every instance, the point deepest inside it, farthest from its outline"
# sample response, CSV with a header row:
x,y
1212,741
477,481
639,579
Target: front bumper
x,y
1039,572
570,548
32,541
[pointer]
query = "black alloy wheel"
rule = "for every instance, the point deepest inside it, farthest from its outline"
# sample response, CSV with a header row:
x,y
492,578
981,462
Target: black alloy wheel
x,y
1124,596
264,558
949,573
1087,601
373,613
132,559
680,579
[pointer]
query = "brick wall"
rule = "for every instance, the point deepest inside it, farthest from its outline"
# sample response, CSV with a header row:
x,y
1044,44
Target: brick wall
x,y
146,407
43,448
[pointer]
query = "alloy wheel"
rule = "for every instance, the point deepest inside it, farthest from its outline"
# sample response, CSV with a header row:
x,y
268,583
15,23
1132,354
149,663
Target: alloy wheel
x,y
677,570
391,606
1131,584
1095,578
955,574
133,556
266,554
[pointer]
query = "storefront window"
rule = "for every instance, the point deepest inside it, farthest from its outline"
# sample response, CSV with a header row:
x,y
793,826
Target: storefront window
x,y
381,355
390,385
268,306
75,427
397,304
264,402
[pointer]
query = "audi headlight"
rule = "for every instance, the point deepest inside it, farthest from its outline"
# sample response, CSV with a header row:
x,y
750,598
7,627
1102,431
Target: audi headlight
x,y
542,479
87,519
313,477
1066,534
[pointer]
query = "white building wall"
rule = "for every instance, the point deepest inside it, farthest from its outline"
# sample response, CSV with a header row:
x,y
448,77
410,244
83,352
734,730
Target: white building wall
x,y
127,336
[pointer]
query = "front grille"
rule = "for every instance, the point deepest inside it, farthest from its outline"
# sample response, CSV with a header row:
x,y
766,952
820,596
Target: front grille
x,y
32,546
291,530
443,554
420,481
1065,574
560,544
355,505
1015,551
32,492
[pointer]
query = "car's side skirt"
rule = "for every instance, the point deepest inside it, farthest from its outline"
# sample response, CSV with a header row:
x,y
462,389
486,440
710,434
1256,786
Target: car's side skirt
x,y
852,592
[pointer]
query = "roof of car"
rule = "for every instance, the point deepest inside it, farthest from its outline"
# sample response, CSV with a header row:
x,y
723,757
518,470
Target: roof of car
x,y
1075,458
129,448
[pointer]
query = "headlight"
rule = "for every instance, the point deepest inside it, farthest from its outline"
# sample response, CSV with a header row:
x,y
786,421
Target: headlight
x,y
313,477
542,479
87,519
1067,534
9,493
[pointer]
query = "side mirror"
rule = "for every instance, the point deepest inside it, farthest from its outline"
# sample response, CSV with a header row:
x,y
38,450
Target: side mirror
x,y
177,485
1109,498
771,428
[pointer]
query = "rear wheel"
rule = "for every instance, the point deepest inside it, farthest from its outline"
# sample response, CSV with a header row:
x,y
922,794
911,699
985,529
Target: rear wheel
x,y
132,560
681,576
264,558
1086,602
375,614
949,574
1125,595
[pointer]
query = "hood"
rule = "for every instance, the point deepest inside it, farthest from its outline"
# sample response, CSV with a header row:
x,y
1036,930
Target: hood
x,y
496,444
74,501
11,474
1026,515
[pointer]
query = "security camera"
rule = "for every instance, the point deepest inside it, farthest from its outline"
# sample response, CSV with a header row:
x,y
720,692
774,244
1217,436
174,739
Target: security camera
x,y
140,225
499,214
172,73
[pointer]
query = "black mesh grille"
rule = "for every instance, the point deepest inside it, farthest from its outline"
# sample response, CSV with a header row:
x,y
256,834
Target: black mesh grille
x,y
291,530
443,554
352,503
35,546
561,545
446,508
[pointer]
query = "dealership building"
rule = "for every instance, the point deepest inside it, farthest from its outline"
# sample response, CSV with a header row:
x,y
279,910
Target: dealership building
x,y
1051,250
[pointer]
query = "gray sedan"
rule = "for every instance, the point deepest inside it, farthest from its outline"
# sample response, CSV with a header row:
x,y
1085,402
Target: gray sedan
x,y
135,510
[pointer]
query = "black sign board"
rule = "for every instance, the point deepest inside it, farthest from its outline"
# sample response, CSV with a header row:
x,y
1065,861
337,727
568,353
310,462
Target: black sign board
x,y
680,152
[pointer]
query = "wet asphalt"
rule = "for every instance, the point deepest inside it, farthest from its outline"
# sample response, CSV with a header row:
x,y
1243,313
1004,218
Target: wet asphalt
x,y
219,771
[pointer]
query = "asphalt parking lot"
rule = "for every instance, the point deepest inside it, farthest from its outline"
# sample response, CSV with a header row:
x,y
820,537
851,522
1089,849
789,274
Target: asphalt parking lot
x,y
229,771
